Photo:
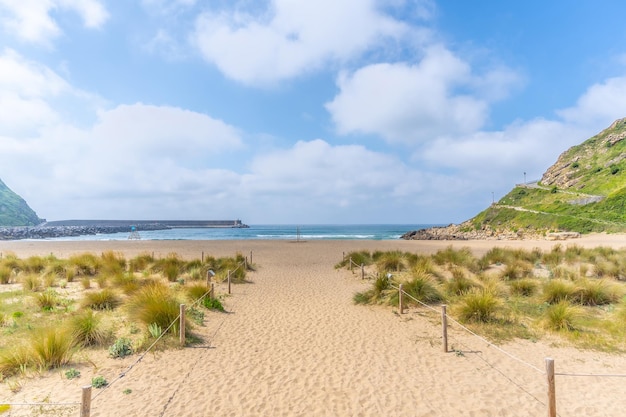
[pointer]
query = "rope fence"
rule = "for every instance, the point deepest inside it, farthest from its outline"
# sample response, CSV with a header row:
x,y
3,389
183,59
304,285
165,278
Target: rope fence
x,y
86,392
549,372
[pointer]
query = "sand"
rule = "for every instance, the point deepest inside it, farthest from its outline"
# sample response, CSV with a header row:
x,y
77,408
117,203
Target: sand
x,y
294,344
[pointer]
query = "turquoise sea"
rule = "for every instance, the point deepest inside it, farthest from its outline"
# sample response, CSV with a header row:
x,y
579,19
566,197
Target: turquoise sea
x,y
277,232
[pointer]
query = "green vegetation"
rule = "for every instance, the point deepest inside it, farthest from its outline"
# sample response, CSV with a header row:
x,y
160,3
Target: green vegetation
x,y
46,318
596,167
573,292
14,211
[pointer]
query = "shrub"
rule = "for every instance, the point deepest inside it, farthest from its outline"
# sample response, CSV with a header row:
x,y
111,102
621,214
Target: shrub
x,y
562,316
558,290
479,306
155,330
86,329
212,304
524,287
86,264
420,287
196,291
517,269
155,303
140,262
121,348
86,283
596,292
31,282
5,274
99,382
14,360
390,261
458,285
458,257
52,348
47,300
72,373
105,299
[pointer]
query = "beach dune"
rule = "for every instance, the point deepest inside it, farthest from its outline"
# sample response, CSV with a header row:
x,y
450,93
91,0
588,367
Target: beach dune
x,y
293,344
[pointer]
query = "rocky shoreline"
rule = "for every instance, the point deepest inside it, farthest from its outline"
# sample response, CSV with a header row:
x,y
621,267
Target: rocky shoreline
x,y
48,232
465,231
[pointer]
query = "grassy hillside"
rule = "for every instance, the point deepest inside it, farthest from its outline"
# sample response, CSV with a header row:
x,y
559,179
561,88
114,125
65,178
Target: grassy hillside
x,y
14,211
584,191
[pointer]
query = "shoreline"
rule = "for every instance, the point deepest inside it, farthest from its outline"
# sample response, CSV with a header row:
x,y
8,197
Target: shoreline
x,y
194,248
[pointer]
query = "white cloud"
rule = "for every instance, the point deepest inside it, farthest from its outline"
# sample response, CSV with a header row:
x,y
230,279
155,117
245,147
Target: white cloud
x,y
291,37
600,103
410,103
26,89
137,160
32,21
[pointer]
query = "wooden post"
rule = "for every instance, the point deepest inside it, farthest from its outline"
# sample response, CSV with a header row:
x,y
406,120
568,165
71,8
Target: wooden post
x,y
362,272
444,327
182,325
400,303
250,257
245,263
85,404
212,293
351,264
202,260
229,281
551,387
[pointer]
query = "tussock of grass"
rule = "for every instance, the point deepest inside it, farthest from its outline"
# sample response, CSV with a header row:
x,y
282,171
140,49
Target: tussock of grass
x,y
105,299
597,292
31,282
86,329
562,316
558,290
47,300
524,287
52,348
479,305
420,287
390,261
155,304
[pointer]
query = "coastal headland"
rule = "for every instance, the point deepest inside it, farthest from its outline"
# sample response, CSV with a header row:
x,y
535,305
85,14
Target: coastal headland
x,y
293,343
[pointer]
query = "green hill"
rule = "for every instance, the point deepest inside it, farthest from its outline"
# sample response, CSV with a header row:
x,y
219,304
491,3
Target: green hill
x,y
14,211
584,191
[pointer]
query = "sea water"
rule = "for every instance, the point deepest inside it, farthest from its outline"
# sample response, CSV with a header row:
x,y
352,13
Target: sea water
x,y
265,232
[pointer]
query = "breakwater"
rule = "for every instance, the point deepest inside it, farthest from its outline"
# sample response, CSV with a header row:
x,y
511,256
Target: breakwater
x,y
65,228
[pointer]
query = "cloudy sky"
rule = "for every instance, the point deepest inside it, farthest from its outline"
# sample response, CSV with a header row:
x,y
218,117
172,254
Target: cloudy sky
x,y
294,111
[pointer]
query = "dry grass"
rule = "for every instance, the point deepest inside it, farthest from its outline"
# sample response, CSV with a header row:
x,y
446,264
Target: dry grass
x,y
507,293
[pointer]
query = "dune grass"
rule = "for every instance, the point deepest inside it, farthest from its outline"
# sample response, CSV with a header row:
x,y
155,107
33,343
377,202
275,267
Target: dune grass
x,y
576,292
110,297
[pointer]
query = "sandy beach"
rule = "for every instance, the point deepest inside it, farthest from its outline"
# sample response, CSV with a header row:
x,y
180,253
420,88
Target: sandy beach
x,y
294,344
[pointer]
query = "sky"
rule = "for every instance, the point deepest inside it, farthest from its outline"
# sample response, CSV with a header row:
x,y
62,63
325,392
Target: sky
x,y
298,112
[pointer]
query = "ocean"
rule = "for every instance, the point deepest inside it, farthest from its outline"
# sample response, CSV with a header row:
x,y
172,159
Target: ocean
x,y
268,232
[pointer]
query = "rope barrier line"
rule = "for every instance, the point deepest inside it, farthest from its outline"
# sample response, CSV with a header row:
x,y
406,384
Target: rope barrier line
x,y
40,404
191,368
163,333
476,335
592,375
520,387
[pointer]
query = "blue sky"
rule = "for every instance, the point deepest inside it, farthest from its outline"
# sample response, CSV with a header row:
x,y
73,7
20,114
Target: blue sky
x,y
289,111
